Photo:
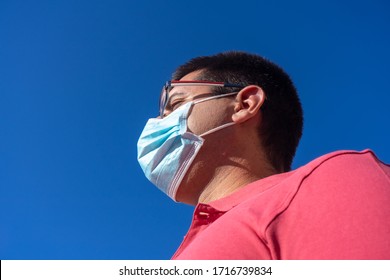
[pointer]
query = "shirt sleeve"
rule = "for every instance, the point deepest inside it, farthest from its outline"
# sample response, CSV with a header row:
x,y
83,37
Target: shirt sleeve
x,y
341,211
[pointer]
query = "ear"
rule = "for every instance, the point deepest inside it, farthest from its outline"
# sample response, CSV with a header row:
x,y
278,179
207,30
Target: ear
x,y
248,103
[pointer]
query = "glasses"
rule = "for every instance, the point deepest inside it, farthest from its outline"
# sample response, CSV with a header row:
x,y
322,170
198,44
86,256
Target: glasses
x,y
170,84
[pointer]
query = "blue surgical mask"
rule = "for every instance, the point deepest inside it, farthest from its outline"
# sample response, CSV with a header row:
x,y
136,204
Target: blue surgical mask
x,y
166,149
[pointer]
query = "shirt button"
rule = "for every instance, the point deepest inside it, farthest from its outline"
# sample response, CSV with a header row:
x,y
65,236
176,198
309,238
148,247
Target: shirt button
x,y
203,215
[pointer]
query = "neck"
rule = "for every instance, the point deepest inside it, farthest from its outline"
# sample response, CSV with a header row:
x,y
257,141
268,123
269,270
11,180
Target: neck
x,y
231,178
219,170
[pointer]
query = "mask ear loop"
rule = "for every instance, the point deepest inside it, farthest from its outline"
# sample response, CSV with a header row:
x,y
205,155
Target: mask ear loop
x,y
214,97
217,128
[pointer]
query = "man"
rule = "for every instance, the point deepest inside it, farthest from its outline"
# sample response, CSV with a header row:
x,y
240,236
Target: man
x,y
227,132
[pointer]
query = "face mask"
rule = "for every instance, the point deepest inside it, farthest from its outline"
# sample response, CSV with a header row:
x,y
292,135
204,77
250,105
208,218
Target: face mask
x,y
166,149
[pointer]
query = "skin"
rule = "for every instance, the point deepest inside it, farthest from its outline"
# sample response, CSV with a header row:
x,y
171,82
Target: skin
x,y
229,158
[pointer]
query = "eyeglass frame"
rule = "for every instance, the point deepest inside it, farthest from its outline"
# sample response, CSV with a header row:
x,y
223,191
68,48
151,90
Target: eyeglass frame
x,y
173,83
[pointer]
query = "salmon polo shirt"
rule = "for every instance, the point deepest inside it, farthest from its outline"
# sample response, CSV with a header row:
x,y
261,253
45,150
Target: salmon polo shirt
x,y
335,207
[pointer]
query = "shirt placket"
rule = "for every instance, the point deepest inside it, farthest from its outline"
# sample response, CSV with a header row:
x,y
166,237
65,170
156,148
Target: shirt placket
x,y
204,215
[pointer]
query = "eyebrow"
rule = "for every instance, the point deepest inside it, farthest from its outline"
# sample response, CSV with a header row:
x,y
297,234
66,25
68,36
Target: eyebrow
x,y
178,93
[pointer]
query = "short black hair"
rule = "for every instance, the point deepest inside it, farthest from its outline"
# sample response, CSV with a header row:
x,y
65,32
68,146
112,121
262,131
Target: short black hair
x,y
282,124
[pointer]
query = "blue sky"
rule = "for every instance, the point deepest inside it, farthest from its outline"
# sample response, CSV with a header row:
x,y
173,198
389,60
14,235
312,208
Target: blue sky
x,y
79,79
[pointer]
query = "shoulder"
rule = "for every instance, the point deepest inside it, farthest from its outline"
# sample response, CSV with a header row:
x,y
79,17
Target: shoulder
x,y
345,175
347,166
340,209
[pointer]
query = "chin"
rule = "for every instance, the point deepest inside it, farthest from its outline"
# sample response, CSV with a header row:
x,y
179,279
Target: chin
x,y
185,197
